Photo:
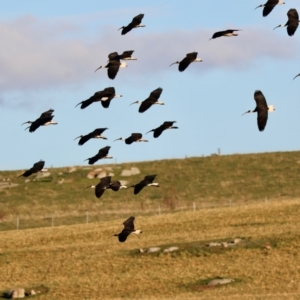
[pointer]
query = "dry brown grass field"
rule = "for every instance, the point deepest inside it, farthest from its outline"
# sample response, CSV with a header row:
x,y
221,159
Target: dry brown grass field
x,y
82,262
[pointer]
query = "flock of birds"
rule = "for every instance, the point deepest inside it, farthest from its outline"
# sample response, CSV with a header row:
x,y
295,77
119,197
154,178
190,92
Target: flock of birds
x,y
105,96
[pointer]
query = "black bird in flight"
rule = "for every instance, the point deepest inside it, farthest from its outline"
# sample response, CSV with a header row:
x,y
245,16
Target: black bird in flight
x,y
135,23
45,119
189,58
147,181
262,110
228,33
37,167
102,153
126,55
166,125
269,5
152,99
128,229
104,184
104,96
135,137
96,134
292,23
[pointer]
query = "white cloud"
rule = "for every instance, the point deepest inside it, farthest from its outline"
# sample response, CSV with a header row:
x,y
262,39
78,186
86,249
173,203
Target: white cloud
x,y
38,54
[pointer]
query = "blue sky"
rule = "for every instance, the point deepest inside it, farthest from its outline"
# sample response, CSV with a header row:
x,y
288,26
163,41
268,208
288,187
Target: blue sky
x,y
49,52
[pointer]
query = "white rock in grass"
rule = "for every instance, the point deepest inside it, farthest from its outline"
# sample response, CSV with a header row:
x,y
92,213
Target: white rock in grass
x,y
71,169
171,249
219,281
101,174
213,244
16,293
153,249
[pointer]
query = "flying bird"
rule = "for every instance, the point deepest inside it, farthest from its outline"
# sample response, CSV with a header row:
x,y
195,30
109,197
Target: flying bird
x,y
269,5
262,110
44,120
104,184
102,153
135,23
189,58
96,134
228,33
104,96
135,137
152,99
126,55
37,167
296,76
128,229
113,68
166,125
292,23
147,181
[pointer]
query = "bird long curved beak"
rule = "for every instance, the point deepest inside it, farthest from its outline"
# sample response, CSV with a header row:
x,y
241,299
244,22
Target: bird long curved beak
x,y
78,137
86,159
79,102
149,131
119,139
88,187
134,102
24,123
120,28
98,68
248,111
257,7
173,64
296,76
26,128
277,26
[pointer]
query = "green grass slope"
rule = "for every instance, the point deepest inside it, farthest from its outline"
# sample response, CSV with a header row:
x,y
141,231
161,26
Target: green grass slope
x,y
206,181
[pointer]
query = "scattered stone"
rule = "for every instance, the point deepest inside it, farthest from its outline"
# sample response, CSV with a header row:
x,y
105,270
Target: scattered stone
x,y
111,174
142,250
27,180
4,185
219,281
101,174
60,173
108,168
31,293
97,173
71,169
153,249
213,244
42,175
225,244
126,173
61,181
171,249
132,171
123,182
16,293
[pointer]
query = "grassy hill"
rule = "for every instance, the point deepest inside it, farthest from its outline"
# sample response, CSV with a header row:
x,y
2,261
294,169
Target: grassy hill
x,y
207,181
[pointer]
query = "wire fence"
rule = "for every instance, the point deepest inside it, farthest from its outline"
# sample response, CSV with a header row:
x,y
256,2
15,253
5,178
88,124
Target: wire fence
x,y
20,222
